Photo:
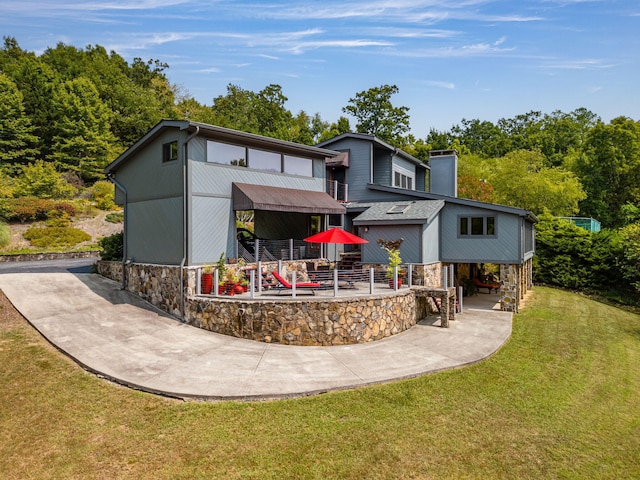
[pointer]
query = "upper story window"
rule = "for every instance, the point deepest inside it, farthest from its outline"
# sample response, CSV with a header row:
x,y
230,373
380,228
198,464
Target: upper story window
x,y
298,166
170,151
477,226
240,156
402,179
226,154
263,160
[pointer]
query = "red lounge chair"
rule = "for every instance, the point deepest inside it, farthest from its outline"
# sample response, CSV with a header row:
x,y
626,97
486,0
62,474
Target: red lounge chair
x,y
284,285
489,286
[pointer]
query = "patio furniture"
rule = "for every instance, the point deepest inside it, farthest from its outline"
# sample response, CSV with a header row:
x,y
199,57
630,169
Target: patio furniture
x,y
284,285
489,286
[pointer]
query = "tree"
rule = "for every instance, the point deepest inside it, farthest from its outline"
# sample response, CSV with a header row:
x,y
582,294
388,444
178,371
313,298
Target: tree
x,y
16,131
521,179
263,113
335,129
41,180
376,115
83,141
609,168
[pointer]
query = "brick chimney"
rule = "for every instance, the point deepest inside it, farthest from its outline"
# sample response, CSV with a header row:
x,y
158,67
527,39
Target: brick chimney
x,y
443,178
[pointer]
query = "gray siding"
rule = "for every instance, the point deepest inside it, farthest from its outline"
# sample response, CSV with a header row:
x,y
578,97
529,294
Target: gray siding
x,y
146,177
212,217
155,231
357,175
431,241
410,250
382,168
503,248
212,229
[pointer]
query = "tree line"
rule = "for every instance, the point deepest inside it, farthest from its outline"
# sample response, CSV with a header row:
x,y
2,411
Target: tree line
x,y
67,112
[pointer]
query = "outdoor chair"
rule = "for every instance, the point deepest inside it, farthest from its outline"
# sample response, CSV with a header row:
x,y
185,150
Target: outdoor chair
x,y
284,285
489,286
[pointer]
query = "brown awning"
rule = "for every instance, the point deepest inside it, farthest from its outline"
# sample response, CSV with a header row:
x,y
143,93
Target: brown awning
x,y
259,197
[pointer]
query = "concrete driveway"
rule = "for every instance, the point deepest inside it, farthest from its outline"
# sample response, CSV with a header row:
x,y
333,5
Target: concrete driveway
x,y
117,335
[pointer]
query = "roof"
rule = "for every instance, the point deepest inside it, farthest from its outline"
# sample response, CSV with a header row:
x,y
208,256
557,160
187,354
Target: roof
x,y
223,134
415,194
260,197
401,211
376,142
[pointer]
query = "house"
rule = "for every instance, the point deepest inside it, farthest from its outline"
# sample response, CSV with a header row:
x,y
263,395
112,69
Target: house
x,y
182,183
387,198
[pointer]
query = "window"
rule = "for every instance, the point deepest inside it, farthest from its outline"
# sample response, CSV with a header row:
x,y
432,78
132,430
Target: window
x,y
226,154
170,151
477,226
402,180
263,160
298,166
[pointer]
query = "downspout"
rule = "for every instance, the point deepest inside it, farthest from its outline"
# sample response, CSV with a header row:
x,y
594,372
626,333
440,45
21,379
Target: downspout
x,y
125,229
185,211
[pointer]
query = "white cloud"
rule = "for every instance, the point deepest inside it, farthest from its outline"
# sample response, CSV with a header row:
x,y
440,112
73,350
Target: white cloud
x,y
446,85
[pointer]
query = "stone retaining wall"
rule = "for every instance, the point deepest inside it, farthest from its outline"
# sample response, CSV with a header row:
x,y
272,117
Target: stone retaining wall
x,y
312,321
335,321
32,257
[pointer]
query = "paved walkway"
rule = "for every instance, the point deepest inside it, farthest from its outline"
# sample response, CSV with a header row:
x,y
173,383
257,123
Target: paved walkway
x,y
117,335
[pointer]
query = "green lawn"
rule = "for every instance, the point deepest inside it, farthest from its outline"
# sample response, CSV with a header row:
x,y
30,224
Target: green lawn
x,y
560,400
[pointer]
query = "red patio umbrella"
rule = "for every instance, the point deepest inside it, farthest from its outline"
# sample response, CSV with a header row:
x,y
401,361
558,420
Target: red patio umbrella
x,y
335,235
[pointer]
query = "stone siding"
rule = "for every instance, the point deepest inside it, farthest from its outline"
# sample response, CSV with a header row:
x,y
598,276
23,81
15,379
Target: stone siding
x,y
313,321
335,321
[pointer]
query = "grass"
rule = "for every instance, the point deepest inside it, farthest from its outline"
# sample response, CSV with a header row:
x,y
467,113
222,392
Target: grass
x,y
560,400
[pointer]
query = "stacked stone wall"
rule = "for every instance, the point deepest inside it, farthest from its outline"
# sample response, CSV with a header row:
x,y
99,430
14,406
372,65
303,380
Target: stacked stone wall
x,y
312,321
335,321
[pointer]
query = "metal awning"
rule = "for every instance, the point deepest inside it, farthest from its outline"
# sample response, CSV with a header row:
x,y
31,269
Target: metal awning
x,y
259,197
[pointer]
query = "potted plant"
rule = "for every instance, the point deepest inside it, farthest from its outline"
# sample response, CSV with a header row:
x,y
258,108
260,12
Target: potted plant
x,y
206,279
394,260
222,271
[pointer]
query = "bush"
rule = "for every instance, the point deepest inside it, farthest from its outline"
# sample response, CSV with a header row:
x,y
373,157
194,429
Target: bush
x,y
115,217
5,234
26,209
102,195
112,247
51,237
40,179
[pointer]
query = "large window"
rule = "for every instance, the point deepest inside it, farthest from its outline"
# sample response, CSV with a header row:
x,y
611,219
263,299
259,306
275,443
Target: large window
x,y
229,154
226,154
263,160
298,166
477,226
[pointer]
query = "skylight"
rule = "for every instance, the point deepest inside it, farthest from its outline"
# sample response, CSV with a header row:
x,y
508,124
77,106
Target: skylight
x,y
399,208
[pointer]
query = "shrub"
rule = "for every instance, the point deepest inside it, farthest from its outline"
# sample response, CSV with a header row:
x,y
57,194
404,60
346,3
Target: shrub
x,y
40,179
102,195
5,234
46,237
64,208
112,247
115,217
26,209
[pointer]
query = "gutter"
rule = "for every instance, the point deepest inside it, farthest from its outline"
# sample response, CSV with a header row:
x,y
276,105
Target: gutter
x,y
125,229
185,212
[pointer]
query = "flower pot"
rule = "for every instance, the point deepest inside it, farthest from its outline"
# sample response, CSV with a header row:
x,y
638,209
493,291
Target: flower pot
x,y
239,289
206,283
391,282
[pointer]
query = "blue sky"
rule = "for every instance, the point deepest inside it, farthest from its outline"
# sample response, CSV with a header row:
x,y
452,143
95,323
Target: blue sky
x,y
451,59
